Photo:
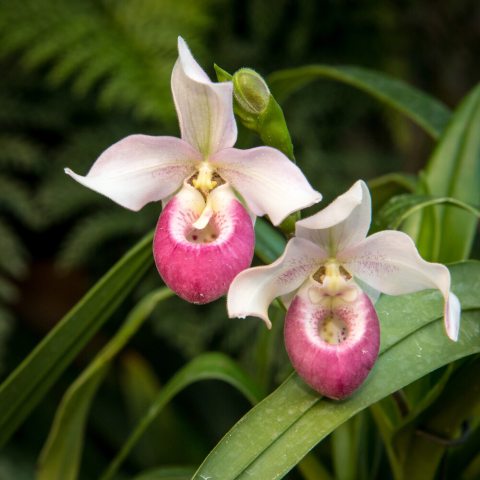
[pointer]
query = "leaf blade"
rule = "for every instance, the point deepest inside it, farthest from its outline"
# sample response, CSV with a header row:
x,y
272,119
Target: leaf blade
x,y
454,171
30,381
61,454
289,422
209,366
427,112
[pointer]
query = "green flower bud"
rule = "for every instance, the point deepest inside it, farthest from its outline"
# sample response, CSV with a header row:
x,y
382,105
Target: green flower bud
x,y
250,91
259,112
256,108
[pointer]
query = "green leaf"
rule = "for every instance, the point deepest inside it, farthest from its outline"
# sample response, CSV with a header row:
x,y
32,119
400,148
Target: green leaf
x,y
209,366
401,207
61,454
454,171
387,186
140,386
472,472
276,434
32,379
427,112
429,434
269,243
312,469
167,473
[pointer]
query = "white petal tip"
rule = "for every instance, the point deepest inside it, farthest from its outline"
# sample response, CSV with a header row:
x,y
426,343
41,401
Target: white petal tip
x,y
181,42
243,315
452,316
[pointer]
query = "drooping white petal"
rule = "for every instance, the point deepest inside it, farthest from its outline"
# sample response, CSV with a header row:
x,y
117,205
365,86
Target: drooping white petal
x,y
453,311
343,223
254,289
389,262
140,169
204,108
267,180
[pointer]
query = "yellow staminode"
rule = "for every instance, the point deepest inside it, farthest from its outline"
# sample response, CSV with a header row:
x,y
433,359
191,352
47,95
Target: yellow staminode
x,y
335,277
203,181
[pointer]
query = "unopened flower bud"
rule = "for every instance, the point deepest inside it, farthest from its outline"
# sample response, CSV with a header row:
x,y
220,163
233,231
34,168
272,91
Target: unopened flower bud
x,y
251,91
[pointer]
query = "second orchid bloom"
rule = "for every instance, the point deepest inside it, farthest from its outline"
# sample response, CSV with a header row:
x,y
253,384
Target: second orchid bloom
x,y
332,333
204,236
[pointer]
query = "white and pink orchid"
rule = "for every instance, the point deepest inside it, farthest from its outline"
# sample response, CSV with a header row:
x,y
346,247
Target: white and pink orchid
x,y
332,333
204,236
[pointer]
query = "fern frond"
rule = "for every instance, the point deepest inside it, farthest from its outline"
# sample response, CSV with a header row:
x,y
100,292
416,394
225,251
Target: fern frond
x,y
126,49
6,320
20,154
59,196
16,199
200,325
8,291
26,106
12,253
90,233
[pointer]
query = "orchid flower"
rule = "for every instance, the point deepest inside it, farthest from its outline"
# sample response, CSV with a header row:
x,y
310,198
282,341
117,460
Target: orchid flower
x,y
205,235
332,333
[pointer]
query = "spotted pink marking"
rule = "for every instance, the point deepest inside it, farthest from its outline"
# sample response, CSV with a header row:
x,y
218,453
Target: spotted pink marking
x,y
334,370
199,265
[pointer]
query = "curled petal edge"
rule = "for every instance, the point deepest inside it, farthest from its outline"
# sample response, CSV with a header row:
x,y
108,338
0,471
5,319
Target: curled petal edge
x,y
389,262
253,290
342,223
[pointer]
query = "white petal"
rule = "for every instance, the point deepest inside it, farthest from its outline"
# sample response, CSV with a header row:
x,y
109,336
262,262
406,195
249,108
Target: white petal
x,y
343,223
267,180
452,316
204,108
140,169
389,262
254,289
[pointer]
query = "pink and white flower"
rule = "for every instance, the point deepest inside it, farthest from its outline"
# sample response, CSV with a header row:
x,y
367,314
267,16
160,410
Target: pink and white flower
x,y
204,236
332,334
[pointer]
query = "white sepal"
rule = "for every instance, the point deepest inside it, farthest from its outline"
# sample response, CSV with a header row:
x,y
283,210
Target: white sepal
x,y
140,169
204,108
267,180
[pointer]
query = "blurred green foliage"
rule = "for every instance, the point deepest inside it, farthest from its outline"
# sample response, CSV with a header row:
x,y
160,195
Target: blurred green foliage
x,y
78,75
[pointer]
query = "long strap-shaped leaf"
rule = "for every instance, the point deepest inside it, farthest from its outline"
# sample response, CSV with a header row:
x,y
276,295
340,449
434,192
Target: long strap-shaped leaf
x,y
60,457
427,112
209,366
167,473
454,171
27,385
276,434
